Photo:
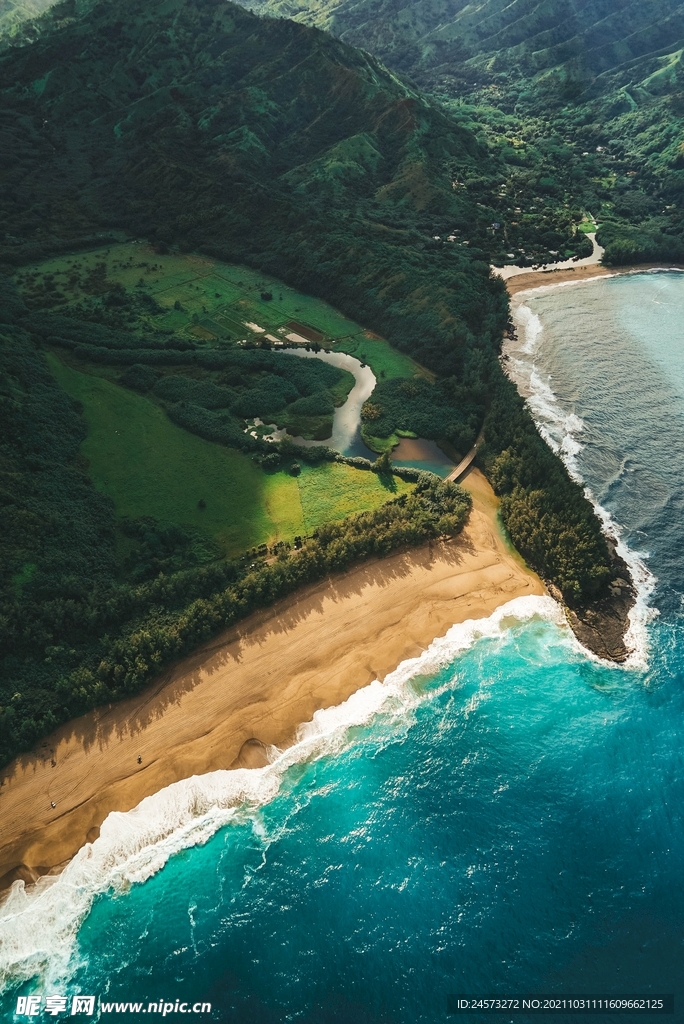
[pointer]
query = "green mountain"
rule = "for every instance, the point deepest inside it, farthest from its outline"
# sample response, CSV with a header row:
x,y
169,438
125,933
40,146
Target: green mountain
x,y
580,105
269,134
445,44
582,101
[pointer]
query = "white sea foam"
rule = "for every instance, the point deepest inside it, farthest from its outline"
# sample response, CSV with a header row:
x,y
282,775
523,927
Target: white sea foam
x,y
531,327
636,637
39,924
561,430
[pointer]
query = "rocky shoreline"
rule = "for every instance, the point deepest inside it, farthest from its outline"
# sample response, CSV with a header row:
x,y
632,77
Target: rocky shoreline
x,y
601,626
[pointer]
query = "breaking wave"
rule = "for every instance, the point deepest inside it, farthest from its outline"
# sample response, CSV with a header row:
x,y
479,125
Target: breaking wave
x,y
39,924
562,430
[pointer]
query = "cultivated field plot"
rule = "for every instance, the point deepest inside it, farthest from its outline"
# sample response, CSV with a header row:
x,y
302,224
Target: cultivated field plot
x,y
200,299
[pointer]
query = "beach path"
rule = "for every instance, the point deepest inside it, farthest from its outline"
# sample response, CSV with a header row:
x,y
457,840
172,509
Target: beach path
x,y
257,681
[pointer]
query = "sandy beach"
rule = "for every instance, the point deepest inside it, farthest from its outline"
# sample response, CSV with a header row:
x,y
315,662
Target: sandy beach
x,y
252,685
521,279
542,278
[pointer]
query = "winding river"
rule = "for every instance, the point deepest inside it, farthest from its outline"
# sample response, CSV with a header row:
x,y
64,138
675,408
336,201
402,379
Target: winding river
x,y
346,433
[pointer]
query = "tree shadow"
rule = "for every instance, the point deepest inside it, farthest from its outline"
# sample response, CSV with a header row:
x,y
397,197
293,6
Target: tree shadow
x,y
388,481
97,728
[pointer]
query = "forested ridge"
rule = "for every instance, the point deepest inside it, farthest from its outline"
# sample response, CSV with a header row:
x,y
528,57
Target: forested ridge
x,y
205,129
580,103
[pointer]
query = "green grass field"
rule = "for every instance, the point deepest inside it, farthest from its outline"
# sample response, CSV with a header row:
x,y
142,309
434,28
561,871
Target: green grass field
x,y
223,297
150,467
202,286
385,362
331,492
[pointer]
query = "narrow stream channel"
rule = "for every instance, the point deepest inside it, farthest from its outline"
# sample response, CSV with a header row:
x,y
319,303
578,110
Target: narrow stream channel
x,y
346,434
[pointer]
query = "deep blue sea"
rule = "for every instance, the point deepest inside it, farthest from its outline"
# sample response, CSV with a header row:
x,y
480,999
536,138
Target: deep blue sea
x,y
502,816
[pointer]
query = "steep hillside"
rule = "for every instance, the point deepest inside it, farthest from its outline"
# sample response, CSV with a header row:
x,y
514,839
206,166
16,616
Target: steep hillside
x,y
201,126
449,43
580,104
582,101
196,124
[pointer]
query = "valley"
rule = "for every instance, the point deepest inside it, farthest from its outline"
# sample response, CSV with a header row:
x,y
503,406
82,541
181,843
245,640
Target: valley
x,y
164,236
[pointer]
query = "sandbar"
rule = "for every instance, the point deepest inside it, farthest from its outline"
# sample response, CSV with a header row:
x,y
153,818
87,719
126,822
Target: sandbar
x,y
252,686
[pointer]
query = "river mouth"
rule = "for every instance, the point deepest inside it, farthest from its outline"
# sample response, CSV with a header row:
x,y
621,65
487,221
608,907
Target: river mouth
x,y
419,453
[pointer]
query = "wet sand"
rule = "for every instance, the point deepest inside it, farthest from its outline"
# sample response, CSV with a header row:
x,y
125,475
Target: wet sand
x,y
252,686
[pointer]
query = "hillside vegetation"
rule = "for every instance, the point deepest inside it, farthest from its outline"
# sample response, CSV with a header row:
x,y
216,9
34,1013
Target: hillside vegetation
x,y
581,104
14,14
204,130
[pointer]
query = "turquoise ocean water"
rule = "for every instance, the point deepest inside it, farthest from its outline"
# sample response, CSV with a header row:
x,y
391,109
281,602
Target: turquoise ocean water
x,y
503,815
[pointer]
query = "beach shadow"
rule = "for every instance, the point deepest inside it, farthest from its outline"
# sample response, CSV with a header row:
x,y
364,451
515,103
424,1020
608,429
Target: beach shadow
x,y
98,728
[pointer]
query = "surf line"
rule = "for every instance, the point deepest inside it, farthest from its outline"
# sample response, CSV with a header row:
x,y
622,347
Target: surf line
x,y
550,417
39,925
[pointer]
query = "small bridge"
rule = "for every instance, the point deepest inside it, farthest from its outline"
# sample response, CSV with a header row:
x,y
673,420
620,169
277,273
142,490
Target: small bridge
x,y
465,463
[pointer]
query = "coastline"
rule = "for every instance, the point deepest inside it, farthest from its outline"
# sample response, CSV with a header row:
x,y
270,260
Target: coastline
x,y
543,278
252,687
604,625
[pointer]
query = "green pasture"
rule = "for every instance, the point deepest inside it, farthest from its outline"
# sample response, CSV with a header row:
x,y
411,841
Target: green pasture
x,y
149,466
384,361
332,491
287,303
